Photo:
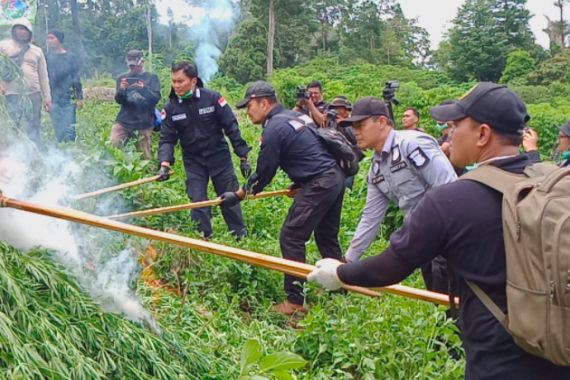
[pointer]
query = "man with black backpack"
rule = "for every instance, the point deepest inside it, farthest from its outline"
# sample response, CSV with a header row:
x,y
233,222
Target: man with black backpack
x,y
290,142
463,221
405,165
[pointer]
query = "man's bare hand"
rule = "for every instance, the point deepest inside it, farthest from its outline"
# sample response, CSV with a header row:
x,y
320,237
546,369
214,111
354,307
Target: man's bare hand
x,y
530,140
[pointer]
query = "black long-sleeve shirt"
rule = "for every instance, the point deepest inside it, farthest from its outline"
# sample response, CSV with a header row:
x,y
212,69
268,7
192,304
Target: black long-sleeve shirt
x,y
199,123
462,222
287,143
137,105
64,81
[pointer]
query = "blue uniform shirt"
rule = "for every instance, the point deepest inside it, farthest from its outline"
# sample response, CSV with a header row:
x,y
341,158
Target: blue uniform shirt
x,y
409,164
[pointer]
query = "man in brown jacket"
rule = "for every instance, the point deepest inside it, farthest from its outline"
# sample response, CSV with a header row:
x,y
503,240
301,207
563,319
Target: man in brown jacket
x,y
24,96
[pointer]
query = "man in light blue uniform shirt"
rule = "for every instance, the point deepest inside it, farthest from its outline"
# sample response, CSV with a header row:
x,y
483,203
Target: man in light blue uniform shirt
x,y
405,165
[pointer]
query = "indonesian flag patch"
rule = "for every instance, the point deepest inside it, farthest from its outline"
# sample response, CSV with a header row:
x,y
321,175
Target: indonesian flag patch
x,y
222,102
163,114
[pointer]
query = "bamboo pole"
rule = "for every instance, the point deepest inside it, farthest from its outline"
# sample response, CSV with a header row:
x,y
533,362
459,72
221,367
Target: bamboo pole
x,y
188,206
122,186
265,261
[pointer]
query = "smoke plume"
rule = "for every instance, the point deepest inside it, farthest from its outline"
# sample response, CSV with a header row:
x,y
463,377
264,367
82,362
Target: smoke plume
x,y
48,178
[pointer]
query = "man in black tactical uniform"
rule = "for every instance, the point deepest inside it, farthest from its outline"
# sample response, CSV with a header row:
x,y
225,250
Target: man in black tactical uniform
x,y
199,118
288,143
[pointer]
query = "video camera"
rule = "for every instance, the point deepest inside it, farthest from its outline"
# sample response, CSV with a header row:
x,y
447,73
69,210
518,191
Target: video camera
x,y
301,93
389,91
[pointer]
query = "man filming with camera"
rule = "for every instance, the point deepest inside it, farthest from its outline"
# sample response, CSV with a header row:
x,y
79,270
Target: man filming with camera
x,y
310,102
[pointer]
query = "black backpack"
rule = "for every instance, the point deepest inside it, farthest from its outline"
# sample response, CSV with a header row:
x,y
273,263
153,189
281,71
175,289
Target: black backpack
x,y
347,155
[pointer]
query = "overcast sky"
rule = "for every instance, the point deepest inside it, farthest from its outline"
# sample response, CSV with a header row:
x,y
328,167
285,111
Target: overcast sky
x,y
436,15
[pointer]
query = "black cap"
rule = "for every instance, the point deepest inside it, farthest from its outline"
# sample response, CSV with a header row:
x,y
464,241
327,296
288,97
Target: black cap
x,y
488,103
565,129
259,89
341,101
134,57
365,108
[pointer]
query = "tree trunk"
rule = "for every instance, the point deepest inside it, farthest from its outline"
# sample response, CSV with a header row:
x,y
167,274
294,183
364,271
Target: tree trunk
x,y
77,40
562,24
270,37
149,33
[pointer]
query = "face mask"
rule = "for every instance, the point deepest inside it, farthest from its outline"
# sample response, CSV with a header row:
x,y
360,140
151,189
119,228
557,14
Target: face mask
x,y
471,167
187,95
565,155
441,127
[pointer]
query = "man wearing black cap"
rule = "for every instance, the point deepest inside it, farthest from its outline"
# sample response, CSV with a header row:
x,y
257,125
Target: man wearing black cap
x,y
138,92
462,221
201,119
67,94
289,143
405,165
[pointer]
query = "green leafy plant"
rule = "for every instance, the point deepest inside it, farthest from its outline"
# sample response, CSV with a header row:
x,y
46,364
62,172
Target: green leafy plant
x,y
277,365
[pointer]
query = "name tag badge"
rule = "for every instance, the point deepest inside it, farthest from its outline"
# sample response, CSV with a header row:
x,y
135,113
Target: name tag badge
x,y
398,167
206,110
377,179
180,116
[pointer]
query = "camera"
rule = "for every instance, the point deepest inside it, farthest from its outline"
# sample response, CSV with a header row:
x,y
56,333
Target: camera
x,y
389,91
301,93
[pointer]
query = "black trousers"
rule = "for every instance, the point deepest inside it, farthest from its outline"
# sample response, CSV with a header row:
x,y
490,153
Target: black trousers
x,y
316,208
26,112
224,179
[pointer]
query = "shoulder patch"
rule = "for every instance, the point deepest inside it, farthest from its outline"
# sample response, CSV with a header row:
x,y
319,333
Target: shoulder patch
x,y
296,124
396,154
222,102
163,114
418,158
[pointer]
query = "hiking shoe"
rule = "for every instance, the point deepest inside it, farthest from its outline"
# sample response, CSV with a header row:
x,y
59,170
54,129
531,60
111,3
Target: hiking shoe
x,y
289,308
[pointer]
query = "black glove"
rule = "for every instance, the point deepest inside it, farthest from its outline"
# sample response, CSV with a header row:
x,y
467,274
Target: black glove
x,y
163,172
245,167
229,199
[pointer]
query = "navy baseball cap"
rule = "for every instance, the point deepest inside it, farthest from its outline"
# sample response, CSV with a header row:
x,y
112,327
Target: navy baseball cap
x,y
258,89
488,103
365,108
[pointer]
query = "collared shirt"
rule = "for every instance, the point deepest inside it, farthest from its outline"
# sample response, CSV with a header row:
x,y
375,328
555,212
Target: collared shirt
x,y
409,164
200,123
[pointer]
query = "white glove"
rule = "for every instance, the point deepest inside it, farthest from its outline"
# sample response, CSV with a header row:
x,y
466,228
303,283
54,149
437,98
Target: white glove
x,y
325,274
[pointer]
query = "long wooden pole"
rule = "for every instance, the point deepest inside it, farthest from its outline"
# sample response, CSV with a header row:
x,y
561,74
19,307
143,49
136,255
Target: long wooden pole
x,y
265,261
122,186
188,206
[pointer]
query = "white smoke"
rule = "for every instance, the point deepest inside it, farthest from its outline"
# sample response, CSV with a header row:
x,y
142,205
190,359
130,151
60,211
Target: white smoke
x,y
210,24
48,178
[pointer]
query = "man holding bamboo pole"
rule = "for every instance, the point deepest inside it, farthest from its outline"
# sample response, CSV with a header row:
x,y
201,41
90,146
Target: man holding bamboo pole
x,y
463,222
289,143
201,119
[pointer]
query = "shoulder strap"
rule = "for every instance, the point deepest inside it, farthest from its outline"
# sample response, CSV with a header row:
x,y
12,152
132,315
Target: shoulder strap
x,y
495,178
489,304
19,58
